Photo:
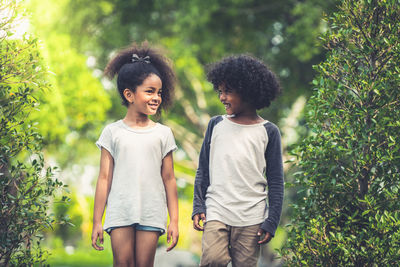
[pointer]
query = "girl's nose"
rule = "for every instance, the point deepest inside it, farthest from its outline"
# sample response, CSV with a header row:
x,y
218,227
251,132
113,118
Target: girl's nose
x,y
222,96
157,97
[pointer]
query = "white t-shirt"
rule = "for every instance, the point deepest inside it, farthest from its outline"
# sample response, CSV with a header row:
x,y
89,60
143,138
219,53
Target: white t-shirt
x,y
237,192
137,193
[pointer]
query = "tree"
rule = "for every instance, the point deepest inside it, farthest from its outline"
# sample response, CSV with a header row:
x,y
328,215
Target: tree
x,y
349,213
74,111
196,33
284,33
26,185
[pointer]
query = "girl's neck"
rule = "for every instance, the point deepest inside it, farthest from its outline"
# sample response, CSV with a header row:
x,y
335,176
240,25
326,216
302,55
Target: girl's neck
x,y
246,117
137,120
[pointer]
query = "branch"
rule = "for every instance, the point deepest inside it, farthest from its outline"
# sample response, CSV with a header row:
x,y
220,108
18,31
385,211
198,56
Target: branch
x,y
381,66
360,28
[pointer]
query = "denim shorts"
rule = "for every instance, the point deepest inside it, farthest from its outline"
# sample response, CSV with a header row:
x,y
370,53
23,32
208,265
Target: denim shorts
x,y
138,227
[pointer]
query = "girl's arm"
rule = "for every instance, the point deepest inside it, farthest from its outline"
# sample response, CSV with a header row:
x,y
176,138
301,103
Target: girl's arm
x,y
167,173
102,189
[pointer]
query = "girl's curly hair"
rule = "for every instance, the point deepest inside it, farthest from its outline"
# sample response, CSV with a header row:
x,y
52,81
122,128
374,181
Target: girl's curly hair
x,y
248,76
132,74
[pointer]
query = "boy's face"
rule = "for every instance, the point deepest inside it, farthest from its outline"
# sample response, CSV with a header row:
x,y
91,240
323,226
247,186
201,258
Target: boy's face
x,y
230,99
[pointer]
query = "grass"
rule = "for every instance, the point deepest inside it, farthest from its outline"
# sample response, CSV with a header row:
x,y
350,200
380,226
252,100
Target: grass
x,y
82,255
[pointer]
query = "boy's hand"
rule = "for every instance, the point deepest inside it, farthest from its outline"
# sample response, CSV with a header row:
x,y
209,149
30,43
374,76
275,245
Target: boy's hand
x,y
172,234
267,237
196,221
97,232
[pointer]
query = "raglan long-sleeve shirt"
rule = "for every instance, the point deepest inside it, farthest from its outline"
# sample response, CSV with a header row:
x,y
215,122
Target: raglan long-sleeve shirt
x,y
240,167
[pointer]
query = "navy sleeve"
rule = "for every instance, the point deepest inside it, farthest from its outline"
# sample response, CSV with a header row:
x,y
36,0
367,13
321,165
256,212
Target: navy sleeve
x,y
202,180
274,174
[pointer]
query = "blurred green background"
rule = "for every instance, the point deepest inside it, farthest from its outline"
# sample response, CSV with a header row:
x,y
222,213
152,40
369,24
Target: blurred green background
x,y
77,38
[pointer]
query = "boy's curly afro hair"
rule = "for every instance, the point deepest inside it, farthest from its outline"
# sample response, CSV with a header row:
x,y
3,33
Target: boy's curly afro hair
x,y
247,76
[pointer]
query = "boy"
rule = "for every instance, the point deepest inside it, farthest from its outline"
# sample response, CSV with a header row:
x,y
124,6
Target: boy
x,y
239,150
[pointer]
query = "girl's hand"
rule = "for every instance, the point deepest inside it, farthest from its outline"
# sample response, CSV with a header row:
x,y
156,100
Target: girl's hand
x,y
172,235
196,221
97,232
264,239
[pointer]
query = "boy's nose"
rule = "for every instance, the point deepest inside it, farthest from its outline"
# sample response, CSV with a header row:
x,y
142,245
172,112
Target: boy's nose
x,y
222,96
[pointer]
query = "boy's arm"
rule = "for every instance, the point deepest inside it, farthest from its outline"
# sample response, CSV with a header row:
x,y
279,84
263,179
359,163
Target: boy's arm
x,y
202,180
201,183
274,173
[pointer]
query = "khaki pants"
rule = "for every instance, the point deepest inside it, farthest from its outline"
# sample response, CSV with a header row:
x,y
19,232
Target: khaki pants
x,y
223,243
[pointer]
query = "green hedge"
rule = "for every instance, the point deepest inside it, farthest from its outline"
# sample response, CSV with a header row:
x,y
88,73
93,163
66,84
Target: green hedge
x,y
348,213
26,185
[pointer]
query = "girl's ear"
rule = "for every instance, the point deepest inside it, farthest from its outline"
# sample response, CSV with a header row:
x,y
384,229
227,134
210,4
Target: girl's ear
x,y
128,95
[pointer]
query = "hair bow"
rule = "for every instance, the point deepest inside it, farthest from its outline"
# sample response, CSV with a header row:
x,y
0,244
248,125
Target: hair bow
x,y
136,58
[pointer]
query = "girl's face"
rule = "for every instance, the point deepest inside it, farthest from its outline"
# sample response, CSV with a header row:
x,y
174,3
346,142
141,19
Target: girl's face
x,y
147,96
231,100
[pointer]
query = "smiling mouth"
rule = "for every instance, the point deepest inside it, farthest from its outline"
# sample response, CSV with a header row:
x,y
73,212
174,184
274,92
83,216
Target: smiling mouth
x,y
153,106
226,105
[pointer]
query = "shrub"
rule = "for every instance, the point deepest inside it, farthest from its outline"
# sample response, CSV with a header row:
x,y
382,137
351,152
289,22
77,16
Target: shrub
x,y
26,185
349,210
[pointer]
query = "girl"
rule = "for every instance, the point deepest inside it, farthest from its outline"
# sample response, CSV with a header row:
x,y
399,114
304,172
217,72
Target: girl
x,y
136,177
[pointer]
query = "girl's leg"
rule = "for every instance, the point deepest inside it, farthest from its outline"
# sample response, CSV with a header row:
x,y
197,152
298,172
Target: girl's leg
x,y
123,246
145,250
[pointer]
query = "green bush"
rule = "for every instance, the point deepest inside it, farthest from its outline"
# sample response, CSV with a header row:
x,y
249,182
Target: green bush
x,y
26,185
348,213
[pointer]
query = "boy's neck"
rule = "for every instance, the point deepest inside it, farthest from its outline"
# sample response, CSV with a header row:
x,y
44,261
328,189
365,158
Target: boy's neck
x,y
249,116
